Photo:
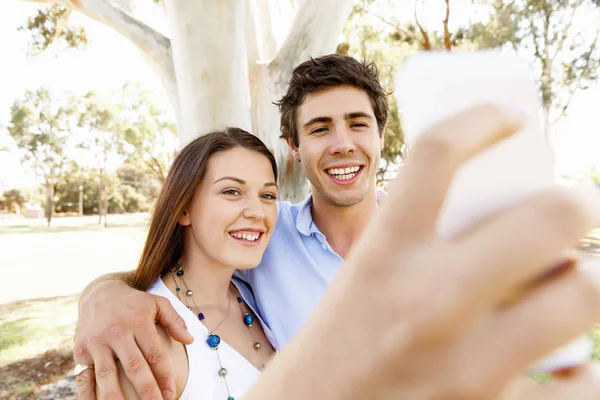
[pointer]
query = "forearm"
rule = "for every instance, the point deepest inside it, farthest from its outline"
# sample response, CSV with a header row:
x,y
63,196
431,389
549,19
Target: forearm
x,y
333,357
125,277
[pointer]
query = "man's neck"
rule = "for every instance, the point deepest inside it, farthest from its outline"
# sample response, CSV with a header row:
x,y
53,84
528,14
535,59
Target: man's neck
x,y
342,226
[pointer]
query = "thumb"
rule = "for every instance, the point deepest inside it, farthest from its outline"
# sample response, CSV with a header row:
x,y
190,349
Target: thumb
x,y
172,321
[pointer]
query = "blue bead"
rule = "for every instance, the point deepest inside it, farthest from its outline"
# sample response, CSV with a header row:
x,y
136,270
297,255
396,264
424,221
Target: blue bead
x,y
213,341
248,320
201,317
180,272
230,398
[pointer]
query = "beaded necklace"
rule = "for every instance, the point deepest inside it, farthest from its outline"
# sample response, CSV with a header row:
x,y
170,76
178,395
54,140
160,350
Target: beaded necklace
x,y
213,340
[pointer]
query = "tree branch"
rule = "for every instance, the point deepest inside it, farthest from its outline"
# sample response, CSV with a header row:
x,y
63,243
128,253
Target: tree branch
x,y
425,42
151,42
574,88
314,33
535,36
154,46
160,172
447,38
60,24
565,33
398,28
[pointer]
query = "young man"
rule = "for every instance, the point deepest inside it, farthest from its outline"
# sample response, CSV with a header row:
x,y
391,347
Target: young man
x,y
333,117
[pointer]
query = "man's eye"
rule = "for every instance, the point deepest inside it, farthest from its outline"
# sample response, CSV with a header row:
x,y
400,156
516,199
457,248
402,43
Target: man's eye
x,y
319,130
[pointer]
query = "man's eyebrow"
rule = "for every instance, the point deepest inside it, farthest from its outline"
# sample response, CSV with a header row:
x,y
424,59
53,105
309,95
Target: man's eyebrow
x,y
271,184
317,120
231,178
357,114
352,115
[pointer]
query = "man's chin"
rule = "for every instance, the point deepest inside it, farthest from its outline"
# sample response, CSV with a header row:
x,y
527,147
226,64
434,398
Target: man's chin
x,y
347,199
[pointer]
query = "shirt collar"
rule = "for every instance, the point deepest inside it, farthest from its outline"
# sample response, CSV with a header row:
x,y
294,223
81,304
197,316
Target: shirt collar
x,y
304,221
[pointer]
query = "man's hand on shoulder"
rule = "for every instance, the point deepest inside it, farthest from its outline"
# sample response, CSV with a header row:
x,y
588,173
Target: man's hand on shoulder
x,y
119,322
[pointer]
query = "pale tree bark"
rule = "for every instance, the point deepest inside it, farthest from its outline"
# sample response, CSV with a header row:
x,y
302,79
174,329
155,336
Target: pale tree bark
x,y
265,34
154,46
314,33
209,54
216,75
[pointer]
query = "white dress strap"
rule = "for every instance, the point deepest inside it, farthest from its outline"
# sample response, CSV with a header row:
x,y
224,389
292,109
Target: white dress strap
x,y
204,381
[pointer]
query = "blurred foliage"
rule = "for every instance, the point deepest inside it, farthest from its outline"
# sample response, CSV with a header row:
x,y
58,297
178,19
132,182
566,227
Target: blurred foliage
x,y
11,199
54,133
51,26
559,38
41,125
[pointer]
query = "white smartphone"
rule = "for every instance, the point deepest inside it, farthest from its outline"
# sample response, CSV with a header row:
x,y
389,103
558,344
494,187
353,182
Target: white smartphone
x,y
433,86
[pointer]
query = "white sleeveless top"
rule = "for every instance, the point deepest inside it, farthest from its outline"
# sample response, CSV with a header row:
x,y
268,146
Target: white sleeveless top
x,y
203,380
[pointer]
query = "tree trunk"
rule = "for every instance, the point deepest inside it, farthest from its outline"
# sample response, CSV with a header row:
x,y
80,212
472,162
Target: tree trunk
x,y
100,197
105,204
314,33
210,63
49,202
207,68
267,87
547,124
81,200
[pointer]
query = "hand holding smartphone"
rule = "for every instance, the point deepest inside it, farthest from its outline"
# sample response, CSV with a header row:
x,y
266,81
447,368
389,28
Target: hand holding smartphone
x,y
433,86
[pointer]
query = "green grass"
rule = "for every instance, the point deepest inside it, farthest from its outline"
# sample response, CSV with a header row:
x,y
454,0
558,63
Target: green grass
x,y
35,344
37,261
71,224
25,389
29,328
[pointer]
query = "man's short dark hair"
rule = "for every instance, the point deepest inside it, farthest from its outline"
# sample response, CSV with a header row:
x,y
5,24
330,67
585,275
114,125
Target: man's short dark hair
x,y
326,72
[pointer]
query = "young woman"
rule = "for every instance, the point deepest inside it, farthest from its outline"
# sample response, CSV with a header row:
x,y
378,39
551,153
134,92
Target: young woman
x,y
215,214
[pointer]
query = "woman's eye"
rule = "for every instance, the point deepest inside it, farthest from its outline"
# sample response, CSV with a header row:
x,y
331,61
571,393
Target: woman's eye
x,y
269,196
232,192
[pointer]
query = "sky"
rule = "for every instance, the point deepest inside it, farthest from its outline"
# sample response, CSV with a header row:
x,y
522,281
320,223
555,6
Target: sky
x,y
110,61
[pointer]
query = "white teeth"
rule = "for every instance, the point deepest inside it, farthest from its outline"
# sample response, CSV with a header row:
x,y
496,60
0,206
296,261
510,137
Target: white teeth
x,y
344,173
251,237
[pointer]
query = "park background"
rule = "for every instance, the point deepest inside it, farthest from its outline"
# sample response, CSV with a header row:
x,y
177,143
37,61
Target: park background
x,y
92,113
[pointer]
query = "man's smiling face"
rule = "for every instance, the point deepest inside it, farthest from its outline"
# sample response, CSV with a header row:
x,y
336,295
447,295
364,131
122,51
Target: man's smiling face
x,y
339,144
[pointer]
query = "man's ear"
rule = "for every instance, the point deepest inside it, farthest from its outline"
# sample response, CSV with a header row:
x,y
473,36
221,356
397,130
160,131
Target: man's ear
x,y
185,219
293,149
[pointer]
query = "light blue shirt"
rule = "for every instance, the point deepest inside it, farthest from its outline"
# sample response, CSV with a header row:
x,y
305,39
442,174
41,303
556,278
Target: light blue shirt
x,y
294,273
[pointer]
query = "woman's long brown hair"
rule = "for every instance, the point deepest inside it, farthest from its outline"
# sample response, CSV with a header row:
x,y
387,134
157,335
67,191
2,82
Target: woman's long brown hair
x,y
164,244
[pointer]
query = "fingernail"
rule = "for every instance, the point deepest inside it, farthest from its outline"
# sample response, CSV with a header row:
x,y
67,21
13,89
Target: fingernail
x,y
167,394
